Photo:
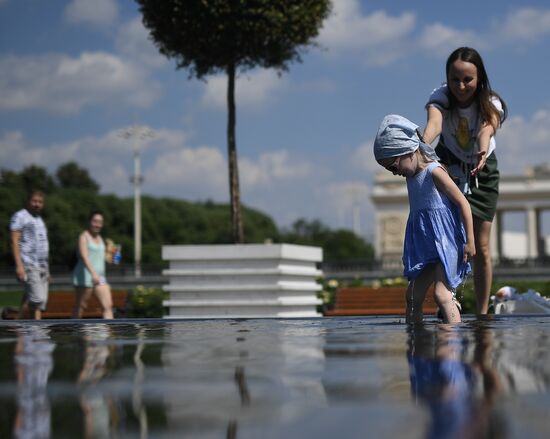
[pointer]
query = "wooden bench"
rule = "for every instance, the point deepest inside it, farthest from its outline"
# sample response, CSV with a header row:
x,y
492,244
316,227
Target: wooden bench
x,y
364,301
61,304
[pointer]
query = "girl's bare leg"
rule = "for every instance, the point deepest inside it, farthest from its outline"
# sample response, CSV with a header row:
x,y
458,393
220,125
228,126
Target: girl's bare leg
x,y
483,268
103,294
444,298
83,294
416,292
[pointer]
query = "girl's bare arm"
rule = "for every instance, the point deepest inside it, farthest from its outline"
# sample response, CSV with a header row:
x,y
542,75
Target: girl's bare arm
x,y
446,185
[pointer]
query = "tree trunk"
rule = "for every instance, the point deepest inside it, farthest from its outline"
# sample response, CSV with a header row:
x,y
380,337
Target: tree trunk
x,y
234,191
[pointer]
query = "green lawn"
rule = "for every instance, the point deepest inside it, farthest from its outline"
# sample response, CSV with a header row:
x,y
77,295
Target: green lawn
x,y
10,298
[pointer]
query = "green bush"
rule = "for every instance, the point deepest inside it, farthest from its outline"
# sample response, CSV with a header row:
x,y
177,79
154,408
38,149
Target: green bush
x,y
146,303
10,298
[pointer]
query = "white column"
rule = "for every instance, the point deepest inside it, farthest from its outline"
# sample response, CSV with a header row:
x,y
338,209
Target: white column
x,y
378,235
532,232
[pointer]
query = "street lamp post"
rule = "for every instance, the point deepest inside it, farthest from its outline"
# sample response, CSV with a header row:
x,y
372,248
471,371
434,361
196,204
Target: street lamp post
x,y
139,133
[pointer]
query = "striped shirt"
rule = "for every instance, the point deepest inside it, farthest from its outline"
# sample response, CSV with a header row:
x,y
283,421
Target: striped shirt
x,y
33,245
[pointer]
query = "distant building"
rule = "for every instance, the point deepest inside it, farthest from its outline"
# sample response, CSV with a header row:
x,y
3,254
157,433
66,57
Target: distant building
x,y
514,245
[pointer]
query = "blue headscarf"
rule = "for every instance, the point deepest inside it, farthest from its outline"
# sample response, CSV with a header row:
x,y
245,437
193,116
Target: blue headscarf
x,y
397,136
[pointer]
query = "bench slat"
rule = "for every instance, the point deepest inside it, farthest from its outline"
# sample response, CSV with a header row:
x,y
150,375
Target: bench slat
x,y
375,301
61,303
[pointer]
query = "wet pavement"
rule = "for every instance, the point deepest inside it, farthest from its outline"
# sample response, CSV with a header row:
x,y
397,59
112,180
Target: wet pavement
x,y
271,378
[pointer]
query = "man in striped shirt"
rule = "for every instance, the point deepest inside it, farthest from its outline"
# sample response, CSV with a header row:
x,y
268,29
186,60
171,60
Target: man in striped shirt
x,y
30,248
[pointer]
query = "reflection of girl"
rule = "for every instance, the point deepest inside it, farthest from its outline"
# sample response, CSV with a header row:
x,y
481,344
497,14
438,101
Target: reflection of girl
x,y
440,380
446,384
97,406
89,273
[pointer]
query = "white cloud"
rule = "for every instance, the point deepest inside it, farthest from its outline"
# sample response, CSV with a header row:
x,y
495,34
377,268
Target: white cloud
x,y
271,167
526,24
190,173
347,28
109,158
169,165
202,172
438,39
63,84
523,142
251,90
133,42
351,201
520,26
362,158
379,38
97,13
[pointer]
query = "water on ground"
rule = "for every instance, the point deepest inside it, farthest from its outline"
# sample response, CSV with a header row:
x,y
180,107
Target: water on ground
x,y
269,378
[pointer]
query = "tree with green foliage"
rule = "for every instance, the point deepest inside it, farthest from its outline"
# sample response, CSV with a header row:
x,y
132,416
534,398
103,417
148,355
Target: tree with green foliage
x,y
31,177
72,176
230,36
338,245
166,221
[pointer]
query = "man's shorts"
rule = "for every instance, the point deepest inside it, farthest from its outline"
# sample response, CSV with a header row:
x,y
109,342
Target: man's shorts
x,y
36,287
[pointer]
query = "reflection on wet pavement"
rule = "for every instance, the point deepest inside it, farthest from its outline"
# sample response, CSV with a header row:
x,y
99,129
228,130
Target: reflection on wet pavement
x,y
348,377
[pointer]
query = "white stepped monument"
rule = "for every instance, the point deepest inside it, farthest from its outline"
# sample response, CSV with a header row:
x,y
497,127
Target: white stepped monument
x,y
242,280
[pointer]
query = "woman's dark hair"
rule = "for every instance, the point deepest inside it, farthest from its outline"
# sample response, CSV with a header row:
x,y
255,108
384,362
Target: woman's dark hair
x,y
489,114
94,213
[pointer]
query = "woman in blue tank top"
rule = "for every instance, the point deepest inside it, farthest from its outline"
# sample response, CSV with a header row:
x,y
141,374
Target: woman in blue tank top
x,y
437,247
89,272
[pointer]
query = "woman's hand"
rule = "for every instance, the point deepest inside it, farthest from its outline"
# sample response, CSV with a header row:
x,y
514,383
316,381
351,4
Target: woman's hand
x,y
96,280
481,160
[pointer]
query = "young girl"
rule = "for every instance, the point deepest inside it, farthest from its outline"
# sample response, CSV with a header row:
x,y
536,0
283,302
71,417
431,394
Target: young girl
x,y
466,113
439,237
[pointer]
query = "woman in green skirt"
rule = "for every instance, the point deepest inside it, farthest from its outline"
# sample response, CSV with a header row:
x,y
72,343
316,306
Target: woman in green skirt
x,y
465,113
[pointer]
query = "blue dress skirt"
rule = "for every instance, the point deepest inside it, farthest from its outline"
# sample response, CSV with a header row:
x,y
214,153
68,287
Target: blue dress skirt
x,y
434,232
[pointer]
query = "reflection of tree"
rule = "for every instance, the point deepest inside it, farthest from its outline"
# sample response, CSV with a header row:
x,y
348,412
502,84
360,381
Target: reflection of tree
x,y
244,394
447,384
34,363
240,379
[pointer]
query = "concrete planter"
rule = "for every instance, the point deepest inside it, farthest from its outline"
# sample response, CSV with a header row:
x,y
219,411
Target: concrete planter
x,y
242,280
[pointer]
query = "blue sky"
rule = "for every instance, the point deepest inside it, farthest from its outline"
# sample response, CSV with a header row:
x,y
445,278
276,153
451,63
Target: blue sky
x,y
75,73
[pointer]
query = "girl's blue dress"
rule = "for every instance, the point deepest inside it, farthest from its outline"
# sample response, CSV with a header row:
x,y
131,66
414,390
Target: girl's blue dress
x,y
434,230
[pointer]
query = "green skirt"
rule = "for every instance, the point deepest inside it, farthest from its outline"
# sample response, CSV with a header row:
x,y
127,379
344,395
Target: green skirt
x,y
483,198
